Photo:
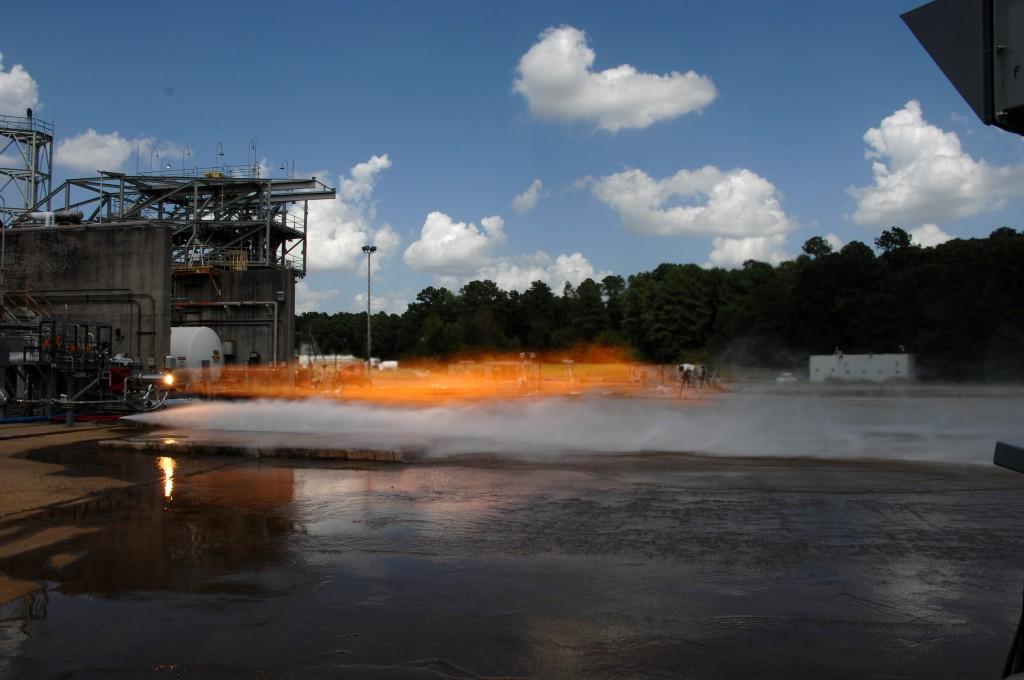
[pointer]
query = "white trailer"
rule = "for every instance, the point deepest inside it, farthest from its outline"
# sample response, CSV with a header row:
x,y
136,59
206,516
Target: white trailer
x,y
861,367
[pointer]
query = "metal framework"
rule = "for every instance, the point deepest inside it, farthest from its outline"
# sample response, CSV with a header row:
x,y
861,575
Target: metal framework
x,y
26,159
220,217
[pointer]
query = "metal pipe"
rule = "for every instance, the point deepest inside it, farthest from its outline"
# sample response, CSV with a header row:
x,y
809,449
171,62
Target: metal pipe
x,y
124,295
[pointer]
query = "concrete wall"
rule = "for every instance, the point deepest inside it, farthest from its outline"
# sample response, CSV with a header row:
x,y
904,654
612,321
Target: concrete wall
x,y
223,302
861,367
118,275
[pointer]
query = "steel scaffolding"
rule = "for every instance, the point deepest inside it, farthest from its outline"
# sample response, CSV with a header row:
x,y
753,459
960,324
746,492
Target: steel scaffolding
x,y
220,218
26,156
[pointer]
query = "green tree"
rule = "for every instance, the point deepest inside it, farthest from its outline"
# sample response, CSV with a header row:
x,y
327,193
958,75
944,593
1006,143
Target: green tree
x,y
613,287
894,239
539,310
816,246
482,308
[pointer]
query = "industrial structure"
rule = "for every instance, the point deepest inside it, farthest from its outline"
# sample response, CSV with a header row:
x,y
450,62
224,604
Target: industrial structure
x,y
26,164
139,254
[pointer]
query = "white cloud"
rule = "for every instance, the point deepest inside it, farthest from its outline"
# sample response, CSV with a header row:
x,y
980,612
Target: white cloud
x,y
309,300
835,241
923,175
18,91
91,151
556,79
449,247
929,235
339,229
389,303
735,204
527,201
733,252
519,273
359,185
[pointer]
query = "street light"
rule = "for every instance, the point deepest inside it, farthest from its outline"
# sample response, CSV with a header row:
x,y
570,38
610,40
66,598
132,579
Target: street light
x,y
3,246
369,250
285,166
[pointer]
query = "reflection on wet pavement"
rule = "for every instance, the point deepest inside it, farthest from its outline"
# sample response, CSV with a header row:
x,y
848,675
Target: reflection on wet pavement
x,y
628,566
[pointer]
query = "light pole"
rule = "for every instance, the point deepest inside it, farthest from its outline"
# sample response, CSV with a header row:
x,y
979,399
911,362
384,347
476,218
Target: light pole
x,y
3,247
369,250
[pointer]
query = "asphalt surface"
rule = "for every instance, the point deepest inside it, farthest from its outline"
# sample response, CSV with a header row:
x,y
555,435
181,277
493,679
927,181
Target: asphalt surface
x,y
603,566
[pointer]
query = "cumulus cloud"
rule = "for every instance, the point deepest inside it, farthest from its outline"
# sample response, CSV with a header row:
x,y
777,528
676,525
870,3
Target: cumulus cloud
x,y
389,303
90,151
449,247
362,178
309,300
18,91
527,201
339,229
922,174
735,204
730,253
556,79
929,235
519,273
835,241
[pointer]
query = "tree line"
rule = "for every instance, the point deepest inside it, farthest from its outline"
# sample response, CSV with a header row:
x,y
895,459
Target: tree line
x,y
958,306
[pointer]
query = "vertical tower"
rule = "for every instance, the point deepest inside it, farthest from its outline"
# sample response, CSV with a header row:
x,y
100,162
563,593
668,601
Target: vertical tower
x,y
26,160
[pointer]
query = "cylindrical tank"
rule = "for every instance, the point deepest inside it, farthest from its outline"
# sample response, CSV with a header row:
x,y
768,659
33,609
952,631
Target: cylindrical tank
x,y
199,352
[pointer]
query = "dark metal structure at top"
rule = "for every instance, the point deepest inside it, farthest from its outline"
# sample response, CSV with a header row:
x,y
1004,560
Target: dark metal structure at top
x,y
979,46
223,217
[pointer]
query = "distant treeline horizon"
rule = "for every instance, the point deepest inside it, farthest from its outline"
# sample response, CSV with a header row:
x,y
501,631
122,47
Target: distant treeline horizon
x,y
958,307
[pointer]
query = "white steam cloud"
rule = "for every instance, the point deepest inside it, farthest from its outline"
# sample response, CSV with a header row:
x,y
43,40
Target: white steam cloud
x,y
808,424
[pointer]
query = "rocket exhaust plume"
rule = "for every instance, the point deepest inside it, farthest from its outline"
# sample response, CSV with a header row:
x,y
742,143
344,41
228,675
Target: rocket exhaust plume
x,y
516,376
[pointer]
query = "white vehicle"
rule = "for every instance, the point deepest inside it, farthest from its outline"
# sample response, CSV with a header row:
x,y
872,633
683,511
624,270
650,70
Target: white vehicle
x,y
785,378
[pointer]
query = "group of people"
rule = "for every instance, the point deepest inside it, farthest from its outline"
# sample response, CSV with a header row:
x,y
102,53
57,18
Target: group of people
x,y
693,376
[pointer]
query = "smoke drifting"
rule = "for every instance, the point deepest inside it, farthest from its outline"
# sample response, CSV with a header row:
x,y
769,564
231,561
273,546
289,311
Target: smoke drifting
x,y
923,425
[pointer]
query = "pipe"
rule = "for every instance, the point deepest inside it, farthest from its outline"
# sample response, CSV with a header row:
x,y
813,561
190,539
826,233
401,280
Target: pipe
x,y
46,217
125,292
24,419
126,298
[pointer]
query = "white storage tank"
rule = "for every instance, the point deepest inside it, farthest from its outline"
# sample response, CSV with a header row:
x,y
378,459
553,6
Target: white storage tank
x,y
199,353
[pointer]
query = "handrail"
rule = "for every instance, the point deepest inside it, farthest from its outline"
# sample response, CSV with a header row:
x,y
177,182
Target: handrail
x,y
26,124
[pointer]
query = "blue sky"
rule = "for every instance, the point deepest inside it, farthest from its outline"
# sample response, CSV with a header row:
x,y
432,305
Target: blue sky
x,y
413,111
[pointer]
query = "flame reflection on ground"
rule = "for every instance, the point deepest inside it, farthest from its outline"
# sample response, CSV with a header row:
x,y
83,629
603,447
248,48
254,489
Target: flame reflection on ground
x,y
167,465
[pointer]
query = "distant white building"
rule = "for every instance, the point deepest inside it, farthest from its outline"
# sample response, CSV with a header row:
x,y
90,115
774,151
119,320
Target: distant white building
x,y
861,367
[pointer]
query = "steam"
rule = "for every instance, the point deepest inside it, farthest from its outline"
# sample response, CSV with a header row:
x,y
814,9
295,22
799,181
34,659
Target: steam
x,y
949,428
